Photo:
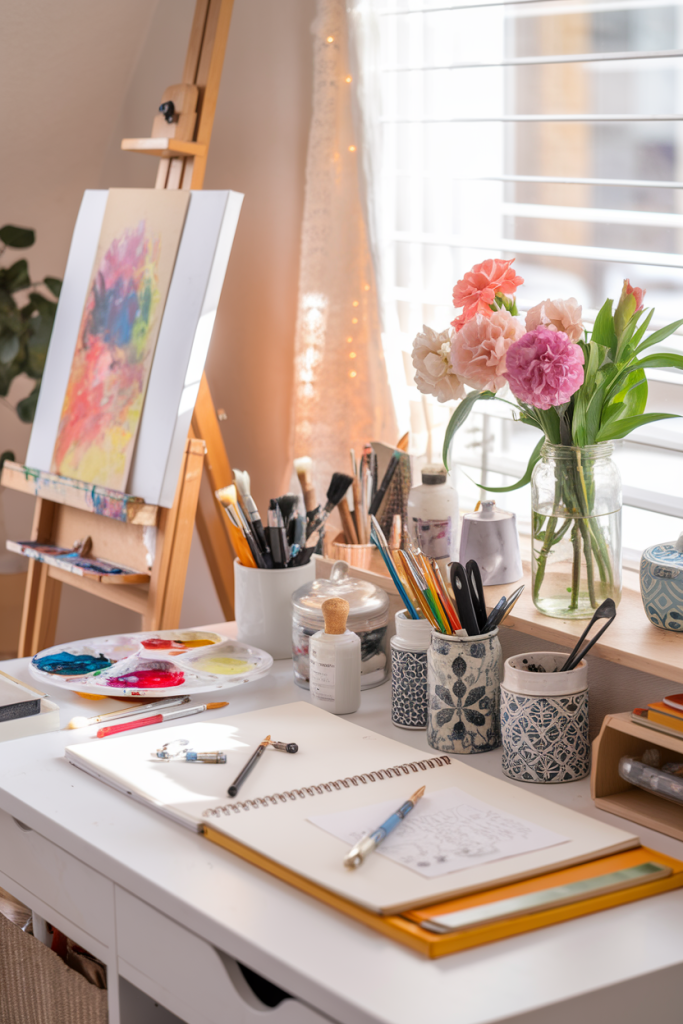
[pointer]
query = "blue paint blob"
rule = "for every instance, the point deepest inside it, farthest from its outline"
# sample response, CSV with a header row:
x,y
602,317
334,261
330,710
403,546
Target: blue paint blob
x,y
65,664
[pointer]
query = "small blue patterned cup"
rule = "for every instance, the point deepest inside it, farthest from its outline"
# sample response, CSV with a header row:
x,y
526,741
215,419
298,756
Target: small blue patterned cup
x,y
661,584
409,671
463,681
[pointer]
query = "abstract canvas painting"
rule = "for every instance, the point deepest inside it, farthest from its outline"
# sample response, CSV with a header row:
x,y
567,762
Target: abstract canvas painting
x,y
129,285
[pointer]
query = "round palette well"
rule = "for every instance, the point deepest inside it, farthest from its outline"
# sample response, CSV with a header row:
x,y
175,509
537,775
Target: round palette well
x,y
150,664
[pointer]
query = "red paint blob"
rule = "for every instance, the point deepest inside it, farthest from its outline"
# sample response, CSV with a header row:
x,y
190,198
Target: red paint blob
x,y
156,643
148,678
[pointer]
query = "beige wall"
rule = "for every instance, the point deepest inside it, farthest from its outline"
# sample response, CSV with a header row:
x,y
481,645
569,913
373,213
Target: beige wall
x,y
78,76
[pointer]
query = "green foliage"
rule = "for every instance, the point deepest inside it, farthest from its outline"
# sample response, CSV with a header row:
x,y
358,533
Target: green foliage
x,y
25,330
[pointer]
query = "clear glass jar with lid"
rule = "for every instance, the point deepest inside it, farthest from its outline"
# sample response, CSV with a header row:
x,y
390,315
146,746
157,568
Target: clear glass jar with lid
x,y
368,618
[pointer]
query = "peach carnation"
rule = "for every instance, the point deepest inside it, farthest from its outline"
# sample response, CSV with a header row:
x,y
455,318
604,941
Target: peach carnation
x,y
478,288
480,347
432,361
557,315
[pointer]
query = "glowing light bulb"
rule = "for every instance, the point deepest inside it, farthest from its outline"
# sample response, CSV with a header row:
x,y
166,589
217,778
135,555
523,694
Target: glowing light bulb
x,y
352,373
355,302
366,287
348,78
330,39
352,355
352,149
354,320
349,339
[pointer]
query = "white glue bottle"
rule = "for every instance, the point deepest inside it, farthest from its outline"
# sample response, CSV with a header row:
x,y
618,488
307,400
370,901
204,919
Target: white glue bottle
x,y
335,661
433,516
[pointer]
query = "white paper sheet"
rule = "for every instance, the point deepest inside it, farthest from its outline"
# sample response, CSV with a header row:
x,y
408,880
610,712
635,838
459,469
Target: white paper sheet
x,y
447,831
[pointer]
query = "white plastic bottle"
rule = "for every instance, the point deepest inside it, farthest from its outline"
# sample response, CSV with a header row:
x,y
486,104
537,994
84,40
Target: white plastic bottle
x,y
335,661
433,516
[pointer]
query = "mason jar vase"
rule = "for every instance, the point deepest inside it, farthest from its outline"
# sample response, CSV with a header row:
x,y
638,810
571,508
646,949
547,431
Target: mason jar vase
x,y
576,530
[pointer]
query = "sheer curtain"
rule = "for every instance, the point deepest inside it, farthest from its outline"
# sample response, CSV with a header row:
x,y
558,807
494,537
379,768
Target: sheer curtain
x,y
342,397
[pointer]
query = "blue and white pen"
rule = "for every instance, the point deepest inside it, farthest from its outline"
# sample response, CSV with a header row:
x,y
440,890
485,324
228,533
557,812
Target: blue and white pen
x,y
357,854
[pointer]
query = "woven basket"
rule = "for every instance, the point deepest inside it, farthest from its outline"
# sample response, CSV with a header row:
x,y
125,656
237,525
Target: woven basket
x,y
36,986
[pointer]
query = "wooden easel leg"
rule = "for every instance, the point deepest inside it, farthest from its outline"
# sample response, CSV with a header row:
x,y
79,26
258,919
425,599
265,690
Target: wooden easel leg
x,y
211,522
174,540
41,600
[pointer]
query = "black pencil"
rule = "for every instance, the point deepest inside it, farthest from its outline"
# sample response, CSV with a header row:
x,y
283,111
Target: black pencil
x,y
232,790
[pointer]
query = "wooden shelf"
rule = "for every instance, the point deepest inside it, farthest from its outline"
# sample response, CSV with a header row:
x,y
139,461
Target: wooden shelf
x,y
164,147
631,640
88,497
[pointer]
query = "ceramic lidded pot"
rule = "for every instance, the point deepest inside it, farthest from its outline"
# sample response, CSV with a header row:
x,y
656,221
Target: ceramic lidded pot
x,y
544,719
661,584
368,618
463,685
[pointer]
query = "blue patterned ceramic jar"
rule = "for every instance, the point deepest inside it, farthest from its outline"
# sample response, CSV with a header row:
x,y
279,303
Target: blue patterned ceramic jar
x,y
544,719
661,584
463,683
409,671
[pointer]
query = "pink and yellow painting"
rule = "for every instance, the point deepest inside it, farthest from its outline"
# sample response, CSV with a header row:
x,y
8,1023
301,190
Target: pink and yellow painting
x,y
117,336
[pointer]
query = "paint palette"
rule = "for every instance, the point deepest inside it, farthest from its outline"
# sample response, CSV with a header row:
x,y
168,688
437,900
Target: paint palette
x,y
157,664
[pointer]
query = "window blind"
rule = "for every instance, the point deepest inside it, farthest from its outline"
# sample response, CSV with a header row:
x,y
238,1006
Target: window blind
x,y
551,131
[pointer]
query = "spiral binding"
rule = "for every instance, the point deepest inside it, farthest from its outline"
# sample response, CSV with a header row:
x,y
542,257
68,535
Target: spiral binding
x,y
327,787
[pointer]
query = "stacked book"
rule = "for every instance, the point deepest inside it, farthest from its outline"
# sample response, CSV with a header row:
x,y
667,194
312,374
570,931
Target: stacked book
x,y
662,715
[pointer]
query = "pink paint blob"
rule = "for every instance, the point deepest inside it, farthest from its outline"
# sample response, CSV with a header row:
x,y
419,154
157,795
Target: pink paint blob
x,y
148,678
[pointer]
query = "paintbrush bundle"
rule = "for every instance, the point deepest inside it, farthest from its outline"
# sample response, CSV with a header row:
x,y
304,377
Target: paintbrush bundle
x,y
273,546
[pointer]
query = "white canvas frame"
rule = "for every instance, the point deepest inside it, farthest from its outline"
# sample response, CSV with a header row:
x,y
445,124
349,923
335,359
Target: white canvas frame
x,y
181,348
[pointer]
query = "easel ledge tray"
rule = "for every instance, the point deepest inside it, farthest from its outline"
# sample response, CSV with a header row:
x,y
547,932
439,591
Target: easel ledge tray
x,y
406,929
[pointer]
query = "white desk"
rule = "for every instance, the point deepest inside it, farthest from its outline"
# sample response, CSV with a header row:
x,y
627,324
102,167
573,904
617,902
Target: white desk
x,y
170,912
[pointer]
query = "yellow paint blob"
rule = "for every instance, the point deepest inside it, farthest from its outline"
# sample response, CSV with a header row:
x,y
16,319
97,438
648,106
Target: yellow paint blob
x,y
224,666
197,643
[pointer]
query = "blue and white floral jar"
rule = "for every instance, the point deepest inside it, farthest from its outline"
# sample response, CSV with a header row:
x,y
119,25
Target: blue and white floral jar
x,y
463,682
409,671
544,719
661,584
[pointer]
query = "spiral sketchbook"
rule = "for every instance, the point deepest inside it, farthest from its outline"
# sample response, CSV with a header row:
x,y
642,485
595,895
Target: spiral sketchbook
x,y
341,768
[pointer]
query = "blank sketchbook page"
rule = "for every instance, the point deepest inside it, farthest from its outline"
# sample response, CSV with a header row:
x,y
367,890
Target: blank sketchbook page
x,y
330,749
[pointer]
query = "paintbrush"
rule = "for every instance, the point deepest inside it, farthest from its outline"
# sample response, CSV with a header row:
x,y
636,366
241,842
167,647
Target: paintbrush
x,y
243,484
357,511
339,485
138,709
227,496
386,480
303,467
348,525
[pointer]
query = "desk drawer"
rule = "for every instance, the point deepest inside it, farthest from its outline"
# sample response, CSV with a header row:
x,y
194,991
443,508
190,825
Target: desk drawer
x,y
61,882
187,975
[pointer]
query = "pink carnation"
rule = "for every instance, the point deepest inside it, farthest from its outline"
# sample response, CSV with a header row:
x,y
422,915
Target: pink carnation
x,y
479,349
544,368
558,314
479,287
638,293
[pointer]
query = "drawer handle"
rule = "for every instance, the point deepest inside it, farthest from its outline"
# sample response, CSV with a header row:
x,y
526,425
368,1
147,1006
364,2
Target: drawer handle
x,y
20,824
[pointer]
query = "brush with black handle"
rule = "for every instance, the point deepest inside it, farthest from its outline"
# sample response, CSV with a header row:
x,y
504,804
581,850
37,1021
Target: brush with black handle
x,y
339,485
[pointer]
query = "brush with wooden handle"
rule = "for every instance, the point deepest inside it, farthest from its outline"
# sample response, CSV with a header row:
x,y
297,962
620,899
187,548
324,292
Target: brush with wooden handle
x,y
348,526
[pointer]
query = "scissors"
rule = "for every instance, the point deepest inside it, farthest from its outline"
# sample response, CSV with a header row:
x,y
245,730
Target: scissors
x,y
463,599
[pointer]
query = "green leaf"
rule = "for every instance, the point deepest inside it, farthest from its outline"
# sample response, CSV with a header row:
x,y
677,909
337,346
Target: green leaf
x,y
593,413
633,397
603,330
9,346
14,278
460,415
661,360
523,481
26,408
38,342
579,418
17,238
54,284
638,336
6,457
661,335
46,307
622,427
